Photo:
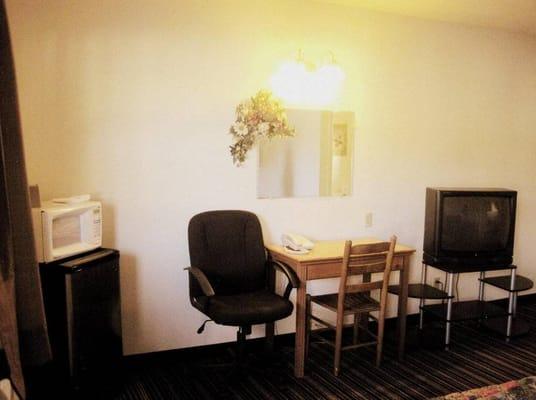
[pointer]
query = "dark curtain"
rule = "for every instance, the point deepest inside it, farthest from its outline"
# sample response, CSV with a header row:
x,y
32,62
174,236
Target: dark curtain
x,y
22,324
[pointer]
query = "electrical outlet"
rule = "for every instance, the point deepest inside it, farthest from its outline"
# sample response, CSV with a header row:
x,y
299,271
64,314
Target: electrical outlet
x,y
368,220
438,284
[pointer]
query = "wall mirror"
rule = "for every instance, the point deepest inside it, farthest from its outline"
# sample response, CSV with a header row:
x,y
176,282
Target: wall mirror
x,y
317,161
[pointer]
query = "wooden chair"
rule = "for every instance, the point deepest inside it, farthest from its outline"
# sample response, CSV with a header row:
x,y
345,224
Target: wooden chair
x,y
354,299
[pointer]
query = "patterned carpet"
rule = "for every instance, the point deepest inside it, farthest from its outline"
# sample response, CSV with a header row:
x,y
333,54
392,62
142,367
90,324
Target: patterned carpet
x,y
476,359
521,389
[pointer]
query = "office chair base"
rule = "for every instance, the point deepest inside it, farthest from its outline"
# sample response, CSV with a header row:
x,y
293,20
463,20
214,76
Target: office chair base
x,y
261,362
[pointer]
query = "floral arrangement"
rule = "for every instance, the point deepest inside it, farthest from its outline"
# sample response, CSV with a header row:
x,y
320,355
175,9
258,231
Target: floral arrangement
x,y
260,116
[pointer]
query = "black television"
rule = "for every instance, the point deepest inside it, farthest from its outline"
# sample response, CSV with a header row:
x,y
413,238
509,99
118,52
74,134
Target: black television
x,y
469,227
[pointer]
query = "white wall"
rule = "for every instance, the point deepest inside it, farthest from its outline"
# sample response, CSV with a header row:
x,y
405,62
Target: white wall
x,y
131,101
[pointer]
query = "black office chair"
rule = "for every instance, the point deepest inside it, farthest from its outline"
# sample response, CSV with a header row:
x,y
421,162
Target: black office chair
x,y
230,274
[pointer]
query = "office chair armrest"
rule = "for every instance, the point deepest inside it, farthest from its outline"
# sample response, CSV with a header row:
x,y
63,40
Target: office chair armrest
x,y
293,281
202,280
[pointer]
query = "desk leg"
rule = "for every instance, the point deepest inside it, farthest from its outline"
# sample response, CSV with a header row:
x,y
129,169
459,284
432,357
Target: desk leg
x,y
402,307
299,349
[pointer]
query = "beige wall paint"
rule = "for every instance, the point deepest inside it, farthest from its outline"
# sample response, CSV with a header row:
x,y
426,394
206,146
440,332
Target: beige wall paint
x,y
131,101
511,15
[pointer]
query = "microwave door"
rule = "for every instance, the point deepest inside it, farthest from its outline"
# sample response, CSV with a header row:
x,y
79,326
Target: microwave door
x,y
71,231
66,231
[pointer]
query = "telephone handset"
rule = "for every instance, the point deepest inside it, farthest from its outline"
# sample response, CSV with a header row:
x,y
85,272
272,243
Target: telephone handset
x,y
297,244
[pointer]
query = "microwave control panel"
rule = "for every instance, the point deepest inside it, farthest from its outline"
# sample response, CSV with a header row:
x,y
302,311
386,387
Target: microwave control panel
x,y
97,225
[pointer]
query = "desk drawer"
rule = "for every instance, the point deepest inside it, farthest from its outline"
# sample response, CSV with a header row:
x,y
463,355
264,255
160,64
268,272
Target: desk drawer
x,y
322,271
333,269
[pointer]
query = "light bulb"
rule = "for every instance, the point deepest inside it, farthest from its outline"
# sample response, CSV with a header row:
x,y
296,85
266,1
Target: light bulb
x,y
300,83
289,81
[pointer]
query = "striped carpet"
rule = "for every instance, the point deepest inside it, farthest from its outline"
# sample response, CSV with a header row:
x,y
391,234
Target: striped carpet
x,y
476,359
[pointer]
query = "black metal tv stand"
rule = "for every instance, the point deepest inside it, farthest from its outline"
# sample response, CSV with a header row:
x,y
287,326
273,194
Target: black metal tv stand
x,y
490,315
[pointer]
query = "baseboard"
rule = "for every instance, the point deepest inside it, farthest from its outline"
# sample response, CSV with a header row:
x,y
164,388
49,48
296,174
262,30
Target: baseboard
x,y
288,338
521,299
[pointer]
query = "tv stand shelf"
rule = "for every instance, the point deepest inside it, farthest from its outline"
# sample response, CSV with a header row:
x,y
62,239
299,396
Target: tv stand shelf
x,y
419,291
499,325
503,282
512,285
466,310
491,316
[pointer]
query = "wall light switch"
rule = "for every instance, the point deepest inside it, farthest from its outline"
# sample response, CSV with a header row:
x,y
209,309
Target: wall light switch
x,y
368,220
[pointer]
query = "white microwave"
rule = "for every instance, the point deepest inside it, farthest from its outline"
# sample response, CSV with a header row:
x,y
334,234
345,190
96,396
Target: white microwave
x,y
64,230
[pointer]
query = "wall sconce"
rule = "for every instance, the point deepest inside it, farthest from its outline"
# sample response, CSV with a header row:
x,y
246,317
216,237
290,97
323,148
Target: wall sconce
x,y
300,82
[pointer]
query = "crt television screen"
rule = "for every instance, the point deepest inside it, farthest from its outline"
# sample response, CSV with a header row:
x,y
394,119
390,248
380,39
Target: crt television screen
x,y
475,224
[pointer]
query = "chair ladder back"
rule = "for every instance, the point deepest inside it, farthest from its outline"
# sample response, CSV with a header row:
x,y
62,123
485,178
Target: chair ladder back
x,y
358,265
360,259
366,258
343,280
388,268
364,287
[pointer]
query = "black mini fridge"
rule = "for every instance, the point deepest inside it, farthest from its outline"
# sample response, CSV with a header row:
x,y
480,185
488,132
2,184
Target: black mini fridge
x,y
83,310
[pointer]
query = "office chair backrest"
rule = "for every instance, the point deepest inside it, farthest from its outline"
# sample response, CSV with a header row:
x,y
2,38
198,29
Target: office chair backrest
x,y
228,247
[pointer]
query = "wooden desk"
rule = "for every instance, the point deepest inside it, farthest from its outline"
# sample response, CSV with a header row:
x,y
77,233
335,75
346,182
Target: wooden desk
x,y
324,261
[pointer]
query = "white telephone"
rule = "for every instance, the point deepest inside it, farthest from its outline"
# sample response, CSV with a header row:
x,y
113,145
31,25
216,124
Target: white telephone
x,y
296,244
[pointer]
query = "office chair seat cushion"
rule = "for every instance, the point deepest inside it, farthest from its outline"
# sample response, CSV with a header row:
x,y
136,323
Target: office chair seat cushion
x,y
252,308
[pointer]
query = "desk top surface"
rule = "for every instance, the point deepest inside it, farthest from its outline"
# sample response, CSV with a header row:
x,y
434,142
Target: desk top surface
x,y
331,249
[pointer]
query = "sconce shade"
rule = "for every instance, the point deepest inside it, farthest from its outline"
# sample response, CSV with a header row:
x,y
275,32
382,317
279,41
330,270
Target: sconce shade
x,y
300,83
